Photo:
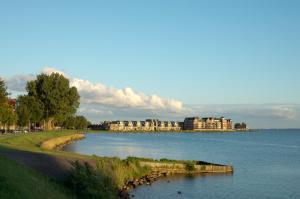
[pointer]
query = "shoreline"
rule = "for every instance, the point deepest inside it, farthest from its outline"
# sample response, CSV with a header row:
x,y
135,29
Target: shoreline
x,y
149,170
60,142
158,168
181,131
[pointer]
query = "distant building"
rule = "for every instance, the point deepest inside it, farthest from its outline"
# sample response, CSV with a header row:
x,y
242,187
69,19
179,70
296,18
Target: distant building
x,y
196,123
189,123
148,125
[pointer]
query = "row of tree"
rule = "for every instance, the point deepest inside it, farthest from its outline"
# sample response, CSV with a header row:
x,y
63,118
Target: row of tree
x,y
240,126
50,101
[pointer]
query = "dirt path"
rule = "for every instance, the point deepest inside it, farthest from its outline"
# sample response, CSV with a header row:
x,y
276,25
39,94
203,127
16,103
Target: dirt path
x,y
54,166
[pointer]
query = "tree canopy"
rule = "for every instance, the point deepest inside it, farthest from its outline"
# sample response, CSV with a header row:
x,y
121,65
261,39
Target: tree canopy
x,y
7,114
58,100
77,122
29,110
50,99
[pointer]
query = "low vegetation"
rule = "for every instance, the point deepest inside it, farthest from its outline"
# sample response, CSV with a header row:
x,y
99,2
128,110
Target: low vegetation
x,y
106,179
190,166
103,180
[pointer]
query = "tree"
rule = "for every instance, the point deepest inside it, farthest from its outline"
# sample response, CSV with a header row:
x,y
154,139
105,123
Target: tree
x,y
69,123
77,122
3,92
240,126
57,98
7,116
237,125
243,126
29,110
80,122
23,114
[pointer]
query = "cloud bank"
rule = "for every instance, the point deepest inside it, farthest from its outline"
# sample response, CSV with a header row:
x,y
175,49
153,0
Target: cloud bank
x,y
96,93
101,102
100,96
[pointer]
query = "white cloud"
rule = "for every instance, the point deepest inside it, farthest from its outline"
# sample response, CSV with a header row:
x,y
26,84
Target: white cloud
x,y
279,111
100,94
18,82
94,111
96,93
284,111
101,102
48,70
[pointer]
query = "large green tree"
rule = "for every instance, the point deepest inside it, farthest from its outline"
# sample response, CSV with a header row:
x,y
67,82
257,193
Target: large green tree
x,y
8,116
54,93
76,122
29,110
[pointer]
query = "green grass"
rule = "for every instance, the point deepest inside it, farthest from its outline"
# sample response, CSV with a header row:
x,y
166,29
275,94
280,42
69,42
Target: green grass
x,y
163,160
104,181
119,170
17,181
30,141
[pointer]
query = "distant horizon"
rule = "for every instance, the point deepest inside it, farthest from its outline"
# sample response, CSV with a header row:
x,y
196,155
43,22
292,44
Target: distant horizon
x,y
167,59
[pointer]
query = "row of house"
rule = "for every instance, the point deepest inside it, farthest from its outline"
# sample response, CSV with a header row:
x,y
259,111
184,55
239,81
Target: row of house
x,y
148,125
210,123
190,123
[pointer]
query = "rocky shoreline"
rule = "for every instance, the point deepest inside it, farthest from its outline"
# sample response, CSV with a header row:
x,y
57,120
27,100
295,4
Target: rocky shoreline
x,y
159,170
145,180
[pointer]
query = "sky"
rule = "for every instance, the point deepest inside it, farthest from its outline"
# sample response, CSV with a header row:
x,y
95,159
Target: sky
x,y
164,59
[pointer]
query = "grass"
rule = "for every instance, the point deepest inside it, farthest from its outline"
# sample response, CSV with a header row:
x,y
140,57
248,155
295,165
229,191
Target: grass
x,y
163,160
30,141
103,181
121,170
109,176
17,181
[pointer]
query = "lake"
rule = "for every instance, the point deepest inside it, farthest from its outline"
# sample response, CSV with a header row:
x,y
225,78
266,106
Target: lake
x,y
266,162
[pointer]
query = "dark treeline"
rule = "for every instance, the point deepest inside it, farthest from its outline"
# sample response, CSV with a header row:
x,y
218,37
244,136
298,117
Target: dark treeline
x,y
50,102
240,126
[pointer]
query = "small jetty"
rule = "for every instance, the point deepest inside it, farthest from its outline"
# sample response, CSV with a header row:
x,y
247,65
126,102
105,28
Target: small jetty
x,y
170,168
161,168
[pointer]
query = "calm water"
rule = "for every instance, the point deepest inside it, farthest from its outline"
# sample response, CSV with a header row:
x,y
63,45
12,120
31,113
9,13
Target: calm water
x,y
266,162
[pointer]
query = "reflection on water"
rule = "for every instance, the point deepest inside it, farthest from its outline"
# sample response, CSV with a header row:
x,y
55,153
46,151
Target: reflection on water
x,y
266,163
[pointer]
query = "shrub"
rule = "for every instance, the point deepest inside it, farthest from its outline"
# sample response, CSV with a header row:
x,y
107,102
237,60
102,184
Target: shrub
x,y
189,166
89,183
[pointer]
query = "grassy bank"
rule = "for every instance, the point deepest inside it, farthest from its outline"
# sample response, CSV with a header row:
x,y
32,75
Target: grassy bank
x,y
102,177
30,141
17,181
87,176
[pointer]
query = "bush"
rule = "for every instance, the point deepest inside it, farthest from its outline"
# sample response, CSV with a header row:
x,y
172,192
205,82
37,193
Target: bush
x,y
190,166
89,183
106,179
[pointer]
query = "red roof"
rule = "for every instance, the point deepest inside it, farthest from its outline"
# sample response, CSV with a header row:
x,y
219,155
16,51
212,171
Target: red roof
x,y
12,102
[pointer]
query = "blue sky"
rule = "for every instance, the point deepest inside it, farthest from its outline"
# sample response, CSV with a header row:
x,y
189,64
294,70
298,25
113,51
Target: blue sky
x,y
209,53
